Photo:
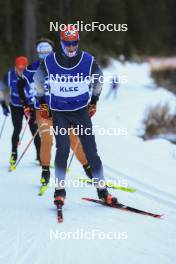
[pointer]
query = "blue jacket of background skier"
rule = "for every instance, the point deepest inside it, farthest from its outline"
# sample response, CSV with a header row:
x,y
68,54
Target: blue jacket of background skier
x,y
12,81
28,76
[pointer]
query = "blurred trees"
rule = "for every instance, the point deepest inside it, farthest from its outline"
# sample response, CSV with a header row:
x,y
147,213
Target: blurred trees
x,y
151,26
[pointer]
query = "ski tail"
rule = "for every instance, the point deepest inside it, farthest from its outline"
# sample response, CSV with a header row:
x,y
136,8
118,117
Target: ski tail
x,y
59,202
59,214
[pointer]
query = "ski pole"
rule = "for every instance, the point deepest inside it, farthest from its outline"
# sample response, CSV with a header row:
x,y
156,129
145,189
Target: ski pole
x,y
3,125
22,135
25,150
72,156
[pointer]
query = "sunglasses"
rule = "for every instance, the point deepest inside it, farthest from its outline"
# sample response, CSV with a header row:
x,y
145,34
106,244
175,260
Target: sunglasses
x,y
70,43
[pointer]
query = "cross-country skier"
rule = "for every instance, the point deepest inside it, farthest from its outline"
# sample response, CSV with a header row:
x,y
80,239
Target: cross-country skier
x,y
44,47
113,88
72,103
18,108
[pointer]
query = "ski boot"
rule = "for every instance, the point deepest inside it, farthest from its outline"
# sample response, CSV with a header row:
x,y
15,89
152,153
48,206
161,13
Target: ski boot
x,y
88,171
12,161
45,175
59,197
106,197
44,179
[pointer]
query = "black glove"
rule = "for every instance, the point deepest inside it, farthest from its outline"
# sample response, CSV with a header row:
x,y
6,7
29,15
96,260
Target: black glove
x,y
28,110
45,111
92,105
94,100
5,108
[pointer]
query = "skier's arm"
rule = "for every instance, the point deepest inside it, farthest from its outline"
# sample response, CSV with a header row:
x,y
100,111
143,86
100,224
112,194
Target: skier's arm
x,y
39,80
96,84
21,84
4,95
5,108
4,89
3,103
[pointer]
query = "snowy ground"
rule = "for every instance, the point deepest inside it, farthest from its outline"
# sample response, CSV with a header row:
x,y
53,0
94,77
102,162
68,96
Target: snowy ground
x,y
27,221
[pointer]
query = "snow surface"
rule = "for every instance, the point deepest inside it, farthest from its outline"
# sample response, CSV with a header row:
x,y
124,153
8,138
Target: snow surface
x,y
27,220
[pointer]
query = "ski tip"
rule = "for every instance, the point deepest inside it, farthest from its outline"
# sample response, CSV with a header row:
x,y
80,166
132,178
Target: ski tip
x,y
132,190
126,189
89,199
159,216
86,199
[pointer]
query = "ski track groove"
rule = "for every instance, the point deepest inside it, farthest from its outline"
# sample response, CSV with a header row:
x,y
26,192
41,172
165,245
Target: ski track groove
x,y
145,189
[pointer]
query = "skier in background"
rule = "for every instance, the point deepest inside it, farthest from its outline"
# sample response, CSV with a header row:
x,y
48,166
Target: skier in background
x,y
18,108
71,105
113,88
44,46
3,99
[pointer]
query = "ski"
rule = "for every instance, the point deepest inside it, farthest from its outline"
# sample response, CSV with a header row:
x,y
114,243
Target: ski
x,y
123,207
59,213
110,185
59,202
42,190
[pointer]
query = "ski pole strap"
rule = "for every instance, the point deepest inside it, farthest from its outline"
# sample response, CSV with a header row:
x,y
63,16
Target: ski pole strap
x,y
26,148
3,125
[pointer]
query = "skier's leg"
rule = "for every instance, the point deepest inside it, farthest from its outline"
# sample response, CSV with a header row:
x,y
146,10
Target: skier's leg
x,y
33,128
115,93
81,118
17,119
77,148
46,145
89,145
60,126
108,94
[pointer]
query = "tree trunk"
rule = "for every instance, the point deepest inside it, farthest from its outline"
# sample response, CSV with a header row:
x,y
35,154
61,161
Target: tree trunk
x,y
64,11
8,20
30,7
